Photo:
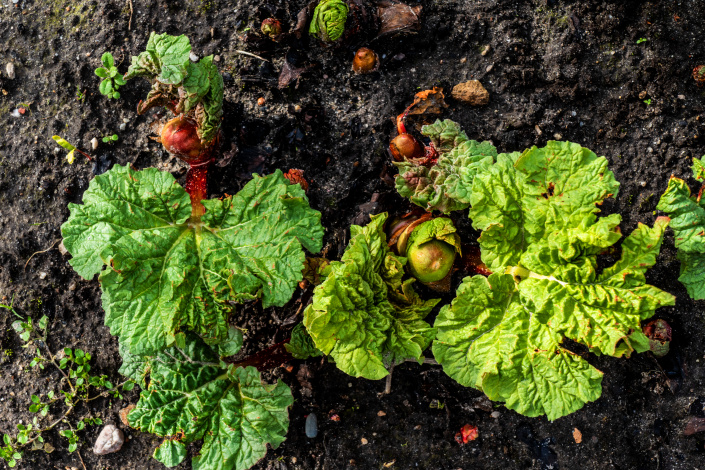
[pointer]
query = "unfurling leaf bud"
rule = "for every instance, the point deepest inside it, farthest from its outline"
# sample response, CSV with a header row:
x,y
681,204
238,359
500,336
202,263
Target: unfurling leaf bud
x,y
180,138
659,334
328,22
405,147
271,27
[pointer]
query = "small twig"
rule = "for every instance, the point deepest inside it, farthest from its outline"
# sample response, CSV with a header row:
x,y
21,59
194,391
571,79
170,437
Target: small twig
x,y
129,27
251,55
81,459
37,252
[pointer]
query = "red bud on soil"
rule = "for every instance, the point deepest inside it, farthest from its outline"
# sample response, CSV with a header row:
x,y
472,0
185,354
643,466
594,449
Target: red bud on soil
x,y
366,61
180,138
405,147
659,334
271,27
467,433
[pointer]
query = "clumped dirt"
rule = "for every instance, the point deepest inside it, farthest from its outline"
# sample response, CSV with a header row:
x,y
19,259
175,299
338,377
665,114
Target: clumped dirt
x,y
577,71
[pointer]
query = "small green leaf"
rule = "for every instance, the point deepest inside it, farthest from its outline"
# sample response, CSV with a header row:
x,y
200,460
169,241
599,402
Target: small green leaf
x,y
107,60
127,386
170,453
36,399
233,344
63,143
101,72
106,87
119,80
116,96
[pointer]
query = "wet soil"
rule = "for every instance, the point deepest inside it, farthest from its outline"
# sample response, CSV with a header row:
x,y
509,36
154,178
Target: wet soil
x,y
578,71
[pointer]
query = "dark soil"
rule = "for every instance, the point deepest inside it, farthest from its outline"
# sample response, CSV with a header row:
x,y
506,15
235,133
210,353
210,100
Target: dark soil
x,y
566,70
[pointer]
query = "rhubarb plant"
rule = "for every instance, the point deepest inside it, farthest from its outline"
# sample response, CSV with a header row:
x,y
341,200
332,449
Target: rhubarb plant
x,y
188,395
688,223
163,270
444,181
541,237
363,314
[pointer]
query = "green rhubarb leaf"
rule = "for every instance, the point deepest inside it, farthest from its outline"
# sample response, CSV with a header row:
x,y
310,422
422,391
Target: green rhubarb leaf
x,y
166,273
541,237
363,314
487,339
688,223
447,185
166,59
301,345
191,397
503,334
548,193
698,169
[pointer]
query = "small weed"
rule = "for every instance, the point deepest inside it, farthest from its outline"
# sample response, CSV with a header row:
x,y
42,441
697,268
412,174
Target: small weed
x,y
640,40
109,139
80,95
76,387
647,102
112,80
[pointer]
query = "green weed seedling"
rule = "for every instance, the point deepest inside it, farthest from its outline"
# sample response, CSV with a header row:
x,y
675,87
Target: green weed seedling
x,y
109,139
75,389
112,80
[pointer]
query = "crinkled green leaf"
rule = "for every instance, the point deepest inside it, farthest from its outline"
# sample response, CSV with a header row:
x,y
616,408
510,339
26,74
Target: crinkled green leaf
x,y
233,344
170,453
698,169
301,345
165,59
541,237
447,185
328,21
363,314
166,272
688,223
549,193
440,228
503,334
210,111
191,397
487,339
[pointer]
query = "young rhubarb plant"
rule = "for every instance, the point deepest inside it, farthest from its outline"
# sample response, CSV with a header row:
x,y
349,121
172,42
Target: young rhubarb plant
x,y
188,395
688,223
363,314
541,237
167,270
444,182
193,91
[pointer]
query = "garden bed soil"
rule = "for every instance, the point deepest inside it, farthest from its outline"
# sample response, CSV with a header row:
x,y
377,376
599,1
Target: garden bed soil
x,y
576,71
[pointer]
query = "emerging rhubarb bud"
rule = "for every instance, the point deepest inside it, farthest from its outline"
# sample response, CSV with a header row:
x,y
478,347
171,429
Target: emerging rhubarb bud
x,y
271,27
405,147
430,246
180,138
659,334
699,75
366,61
328,22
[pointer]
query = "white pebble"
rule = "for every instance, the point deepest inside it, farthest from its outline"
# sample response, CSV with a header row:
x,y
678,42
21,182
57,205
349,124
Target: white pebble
x,y
94,143
42,275
643,184
193,57
495,414
10,69
110,440
123,126
557,136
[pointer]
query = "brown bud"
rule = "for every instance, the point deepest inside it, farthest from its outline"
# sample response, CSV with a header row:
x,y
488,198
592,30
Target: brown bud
x,y
405,147
699,75
366,61
261,101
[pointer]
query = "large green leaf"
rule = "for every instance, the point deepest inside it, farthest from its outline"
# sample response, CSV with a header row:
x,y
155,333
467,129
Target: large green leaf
x,y
503,334
541,236
166,272
688,223
191,396
447,185
363,314
548,193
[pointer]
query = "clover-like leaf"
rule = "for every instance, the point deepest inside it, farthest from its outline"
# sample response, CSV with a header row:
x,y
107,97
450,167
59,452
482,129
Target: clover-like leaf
x,y
191,396
166,273
363,314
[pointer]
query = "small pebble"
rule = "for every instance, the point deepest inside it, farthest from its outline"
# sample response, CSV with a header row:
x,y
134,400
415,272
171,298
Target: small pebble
x,y
463,60
123,126
94,143
216,58
381,413
261,101
485,50
42,275
557,136
72,286
363,441
495,414
10,70
681,97
311,426
62,248
193,57
642,95
109,440
643,184
489,68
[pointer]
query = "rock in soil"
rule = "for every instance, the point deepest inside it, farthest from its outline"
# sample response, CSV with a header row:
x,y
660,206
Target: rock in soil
x,y
471,92
110,440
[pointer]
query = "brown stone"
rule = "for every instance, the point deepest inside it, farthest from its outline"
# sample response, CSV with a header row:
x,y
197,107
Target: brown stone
x,y
471,92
